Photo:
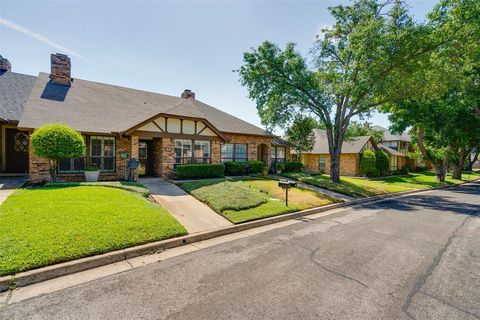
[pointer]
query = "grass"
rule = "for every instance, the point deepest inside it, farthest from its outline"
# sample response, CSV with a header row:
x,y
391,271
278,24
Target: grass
x,y
250,199
359,187
125,185
43,226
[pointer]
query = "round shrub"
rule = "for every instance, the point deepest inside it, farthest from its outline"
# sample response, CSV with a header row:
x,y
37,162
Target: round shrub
x,y
255,166
381,162
55,142
368,164
293,166
234,168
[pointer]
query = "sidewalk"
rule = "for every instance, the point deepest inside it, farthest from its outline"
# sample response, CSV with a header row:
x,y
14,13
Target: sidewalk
x,y
191,213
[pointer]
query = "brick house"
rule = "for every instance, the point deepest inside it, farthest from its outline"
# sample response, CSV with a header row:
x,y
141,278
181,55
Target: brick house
x,y
118,124
398,147
318,159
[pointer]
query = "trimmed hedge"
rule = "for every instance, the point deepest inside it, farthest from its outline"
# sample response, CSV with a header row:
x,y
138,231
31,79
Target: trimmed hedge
x,y
293,166
368,164
381,162
255,166
193,171
234,168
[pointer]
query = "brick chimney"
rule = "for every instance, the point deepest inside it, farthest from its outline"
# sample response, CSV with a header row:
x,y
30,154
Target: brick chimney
x,y
188,94
60,69
5,64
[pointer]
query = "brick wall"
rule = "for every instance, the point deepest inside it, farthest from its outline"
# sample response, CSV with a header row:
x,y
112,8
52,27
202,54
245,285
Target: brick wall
x,y
39,167
349,163
253,142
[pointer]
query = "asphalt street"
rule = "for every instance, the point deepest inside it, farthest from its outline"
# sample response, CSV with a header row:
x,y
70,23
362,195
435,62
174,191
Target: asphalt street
x,y
416,257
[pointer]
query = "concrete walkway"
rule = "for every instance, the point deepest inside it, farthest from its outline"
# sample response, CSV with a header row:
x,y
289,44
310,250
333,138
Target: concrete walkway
x,y
194,215
8,186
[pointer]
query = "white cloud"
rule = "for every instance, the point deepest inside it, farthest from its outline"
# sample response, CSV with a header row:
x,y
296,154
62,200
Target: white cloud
x,y
40,38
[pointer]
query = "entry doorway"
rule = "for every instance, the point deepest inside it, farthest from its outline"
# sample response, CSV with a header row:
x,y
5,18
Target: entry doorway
x,y
262,153
145,158
16,151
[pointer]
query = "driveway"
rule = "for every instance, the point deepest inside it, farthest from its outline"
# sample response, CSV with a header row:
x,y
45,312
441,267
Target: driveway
x,y
416,257
194,215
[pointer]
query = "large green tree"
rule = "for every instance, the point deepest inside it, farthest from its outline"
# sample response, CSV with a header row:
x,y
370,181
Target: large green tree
x,y
300,134
360,63
442,107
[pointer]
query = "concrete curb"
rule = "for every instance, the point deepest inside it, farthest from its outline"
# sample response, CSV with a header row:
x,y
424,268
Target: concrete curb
x,y
66,268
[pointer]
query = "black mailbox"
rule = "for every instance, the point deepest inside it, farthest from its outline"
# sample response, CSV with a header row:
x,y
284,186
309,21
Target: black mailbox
x,y
285,184
132,164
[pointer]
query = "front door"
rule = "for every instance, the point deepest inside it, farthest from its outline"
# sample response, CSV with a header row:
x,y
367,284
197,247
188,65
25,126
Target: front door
x,y
16,151
145,157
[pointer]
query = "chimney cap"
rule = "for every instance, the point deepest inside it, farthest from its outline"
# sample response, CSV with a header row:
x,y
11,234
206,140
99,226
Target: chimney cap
x,y
5,64
188,94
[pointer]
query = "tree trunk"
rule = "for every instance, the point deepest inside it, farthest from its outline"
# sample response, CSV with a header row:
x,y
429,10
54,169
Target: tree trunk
x,y
335,148
471,160
334,169
441,172
457,168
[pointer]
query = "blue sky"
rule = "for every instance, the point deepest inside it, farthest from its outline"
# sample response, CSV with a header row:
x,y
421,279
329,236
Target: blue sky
x,y
163,46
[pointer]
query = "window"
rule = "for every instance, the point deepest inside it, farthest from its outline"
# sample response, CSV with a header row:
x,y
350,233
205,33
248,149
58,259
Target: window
x,y
322,164
227,152
277,154
234,152
102,153
76,165
393,163
241,152
191,151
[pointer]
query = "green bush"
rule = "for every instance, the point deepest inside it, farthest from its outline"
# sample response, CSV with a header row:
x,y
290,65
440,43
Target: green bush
x,y
368,164
404,170
195,171
255,166
420,168
234,168
57,141
280,166
293,166
381,162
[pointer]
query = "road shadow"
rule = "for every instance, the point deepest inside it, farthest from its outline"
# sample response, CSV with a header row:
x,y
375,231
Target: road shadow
x,y
440,202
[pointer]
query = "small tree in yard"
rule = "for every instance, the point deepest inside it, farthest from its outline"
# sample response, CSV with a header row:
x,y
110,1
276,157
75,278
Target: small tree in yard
x,y
381,162
57,141
368,164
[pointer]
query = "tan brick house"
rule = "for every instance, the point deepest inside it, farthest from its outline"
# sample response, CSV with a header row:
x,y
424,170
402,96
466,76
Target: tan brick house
x,y
318,159
118,124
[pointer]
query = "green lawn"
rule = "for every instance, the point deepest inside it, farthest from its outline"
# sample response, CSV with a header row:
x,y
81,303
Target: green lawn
x,y
125,185
43,226
360,187
250,199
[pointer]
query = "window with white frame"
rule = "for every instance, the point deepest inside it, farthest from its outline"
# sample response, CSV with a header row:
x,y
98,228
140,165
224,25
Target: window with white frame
x,y
102,153
277,154
192,151
234,152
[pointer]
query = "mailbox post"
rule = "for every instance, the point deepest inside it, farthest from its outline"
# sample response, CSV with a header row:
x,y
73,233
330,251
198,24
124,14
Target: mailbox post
x,y
286,185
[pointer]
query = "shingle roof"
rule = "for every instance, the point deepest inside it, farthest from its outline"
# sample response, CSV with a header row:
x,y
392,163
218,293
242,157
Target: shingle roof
x,y
391,151
102,108
388,136
14,91
281,142
353,145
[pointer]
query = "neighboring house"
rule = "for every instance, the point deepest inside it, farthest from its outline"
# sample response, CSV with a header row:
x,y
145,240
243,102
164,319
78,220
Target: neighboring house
x,y
161,131
397,147
318,159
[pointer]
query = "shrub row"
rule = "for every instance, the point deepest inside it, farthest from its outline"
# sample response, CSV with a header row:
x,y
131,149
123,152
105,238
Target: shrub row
x,y
234,168
230,168
195,171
